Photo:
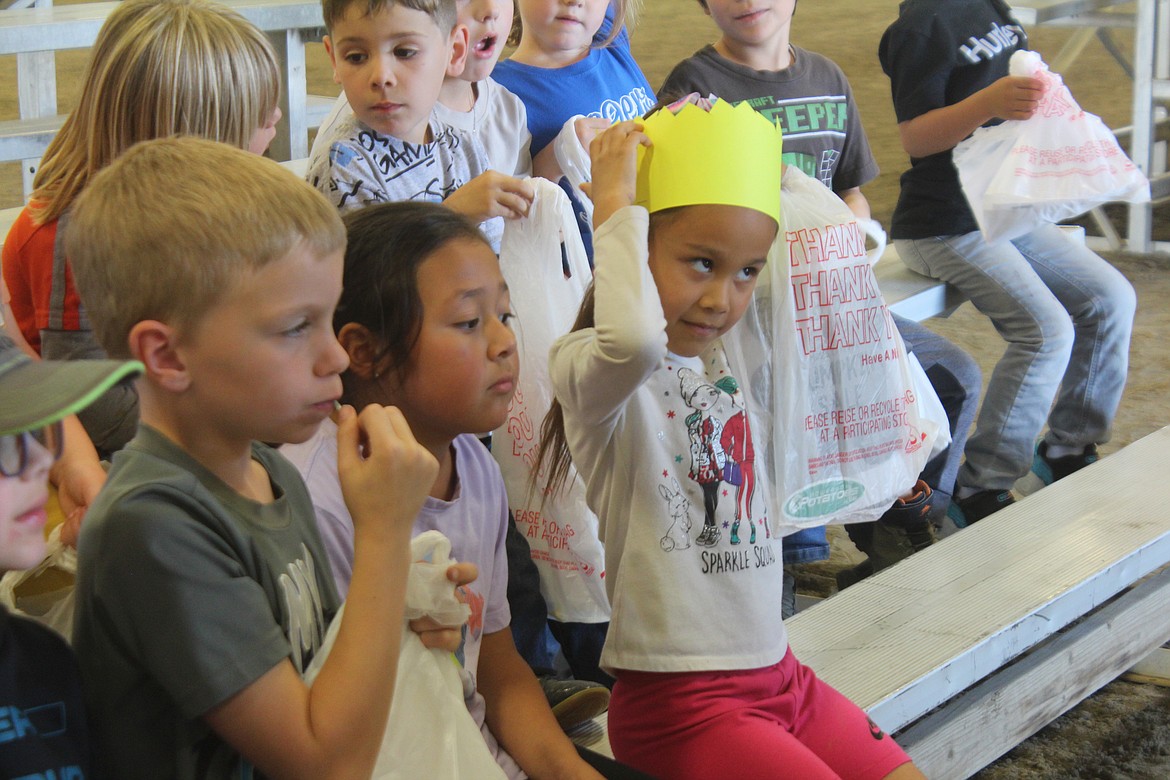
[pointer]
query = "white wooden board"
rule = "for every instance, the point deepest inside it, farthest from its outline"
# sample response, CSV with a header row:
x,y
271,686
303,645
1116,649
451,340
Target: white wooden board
x,y
915,635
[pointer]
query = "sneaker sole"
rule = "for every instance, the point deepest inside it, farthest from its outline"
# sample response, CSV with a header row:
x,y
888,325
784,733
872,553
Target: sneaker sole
x,y
581,706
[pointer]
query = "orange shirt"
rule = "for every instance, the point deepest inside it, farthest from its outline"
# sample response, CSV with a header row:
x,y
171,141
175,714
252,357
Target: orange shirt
x,y
27,263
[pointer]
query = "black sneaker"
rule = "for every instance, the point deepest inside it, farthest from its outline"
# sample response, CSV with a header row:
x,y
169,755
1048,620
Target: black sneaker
x,y
965,511
854,574
574,701
1051,469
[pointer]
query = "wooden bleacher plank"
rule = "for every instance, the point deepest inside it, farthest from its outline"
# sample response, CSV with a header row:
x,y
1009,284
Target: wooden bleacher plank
x,y
22,139
972,732
76,26
915,635
1033,12
32,34
910,294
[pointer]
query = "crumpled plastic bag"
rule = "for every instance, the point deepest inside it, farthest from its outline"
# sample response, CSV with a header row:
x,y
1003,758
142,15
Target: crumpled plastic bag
x,y
1056,165
430,733
45,593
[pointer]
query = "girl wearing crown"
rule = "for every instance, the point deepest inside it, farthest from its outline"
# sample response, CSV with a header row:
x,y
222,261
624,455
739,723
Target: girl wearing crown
x,y
687,208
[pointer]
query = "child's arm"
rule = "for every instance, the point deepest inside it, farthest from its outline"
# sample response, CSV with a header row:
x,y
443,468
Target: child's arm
x,y
519,716
335,728
857,202
1011,97
492,194
545,163
614,159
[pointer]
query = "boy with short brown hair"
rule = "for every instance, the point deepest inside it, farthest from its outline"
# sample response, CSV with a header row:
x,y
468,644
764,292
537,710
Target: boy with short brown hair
x,y
203,590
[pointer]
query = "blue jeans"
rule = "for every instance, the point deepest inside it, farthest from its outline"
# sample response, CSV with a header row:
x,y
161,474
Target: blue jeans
x,y
1066,315
957,381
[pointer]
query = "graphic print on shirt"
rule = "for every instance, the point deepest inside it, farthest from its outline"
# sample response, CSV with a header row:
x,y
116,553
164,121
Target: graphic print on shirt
x,y
717,455
304,613
679,506
740,471
629,106
705,429
713,448
986,47
808,117
400,170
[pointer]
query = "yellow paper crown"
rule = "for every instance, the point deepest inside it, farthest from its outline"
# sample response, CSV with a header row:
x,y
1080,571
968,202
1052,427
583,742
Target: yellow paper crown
x,y
729,155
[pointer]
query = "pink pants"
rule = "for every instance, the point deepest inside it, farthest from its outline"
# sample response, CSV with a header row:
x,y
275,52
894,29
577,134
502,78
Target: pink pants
x,y
776,722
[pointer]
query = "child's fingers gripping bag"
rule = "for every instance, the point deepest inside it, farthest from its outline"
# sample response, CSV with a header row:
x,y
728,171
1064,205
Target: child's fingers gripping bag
x,y
430,732
543,261
849,429
1059,163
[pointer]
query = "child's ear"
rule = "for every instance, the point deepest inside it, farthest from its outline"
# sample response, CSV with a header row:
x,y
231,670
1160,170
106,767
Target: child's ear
x,y
363,348
460,46
154,344
332,57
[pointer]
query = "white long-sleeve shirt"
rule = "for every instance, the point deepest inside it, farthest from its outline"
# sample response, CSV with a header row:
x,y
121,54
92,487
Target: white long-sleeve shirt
x,y
649,453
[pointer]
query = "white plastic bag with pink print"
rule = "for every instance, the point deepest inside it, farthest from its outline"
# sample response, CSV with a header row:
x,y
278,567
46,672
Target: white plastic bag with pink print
x,y
850,418
1056,165
544,262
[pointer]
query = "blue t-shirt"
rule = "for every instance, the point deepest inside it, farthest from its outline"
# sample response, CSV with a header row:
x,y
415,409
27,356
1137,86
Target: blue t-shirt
x,y
607,83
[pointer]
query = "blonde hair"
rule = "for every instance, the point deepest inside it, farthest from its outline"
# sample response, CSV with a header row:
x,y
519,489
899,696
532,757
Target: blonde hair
x,y
625,14
168,228
443,12
160,68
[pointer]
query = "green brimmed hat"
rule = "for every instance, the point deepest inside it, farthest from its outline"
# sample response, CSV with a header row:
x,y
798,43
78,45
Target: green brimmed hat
x,y
35,393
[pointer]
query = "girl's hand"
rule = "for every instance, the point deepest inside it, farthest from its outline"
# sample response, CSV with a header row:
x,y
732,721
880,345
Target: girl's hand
x,y
385,473
492,194
589,127
433,634
614,156
1013,97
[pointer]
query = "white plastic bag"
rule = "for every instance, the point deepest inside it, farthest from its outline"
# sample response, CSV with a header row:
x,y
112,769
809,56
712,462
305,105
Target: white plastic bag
x,y
1056,165
430,732
847,429
573,158
543,260
45,593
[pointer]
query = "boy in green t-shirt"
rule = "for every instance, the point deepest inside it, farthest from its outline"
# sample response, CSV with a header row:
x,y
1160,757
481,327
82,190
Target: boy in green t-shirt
x,y
203,590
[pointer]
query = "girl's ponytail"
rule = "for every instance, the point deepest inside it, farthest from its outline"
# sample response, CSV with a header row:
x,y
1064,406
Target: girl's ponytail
x,y
553,457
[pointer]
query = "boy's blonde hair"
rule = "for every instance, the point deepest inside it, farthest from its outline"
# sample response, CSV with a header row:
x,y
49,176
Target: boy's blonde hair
x,y
443,12
625,13
160,68
167,229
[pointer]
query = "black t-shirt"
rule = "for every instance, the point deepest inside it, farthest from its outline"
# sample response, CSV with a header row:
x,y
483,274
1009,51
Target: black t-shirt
x,y
936,54
43,731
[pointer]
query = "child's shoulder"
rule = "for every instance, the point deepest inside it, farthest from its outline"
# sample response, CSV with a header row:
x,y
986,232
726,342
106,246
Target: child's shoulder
x,y
474,462
28,640
497,97
156,488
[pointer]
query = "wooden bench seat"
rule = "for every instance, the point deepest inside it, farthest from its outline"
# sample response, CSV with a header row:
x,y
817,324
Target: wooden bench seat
x,y
919,634
910,294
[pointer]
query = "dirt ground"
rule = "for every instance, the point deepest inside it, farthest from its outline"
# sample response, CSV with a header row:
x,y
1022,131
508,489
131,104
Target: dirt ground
x,y
1124,730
